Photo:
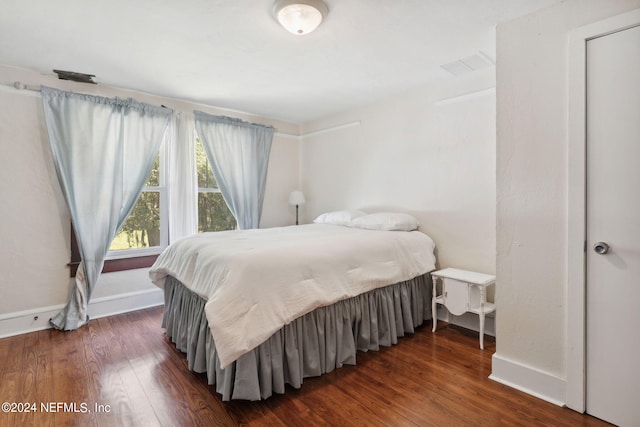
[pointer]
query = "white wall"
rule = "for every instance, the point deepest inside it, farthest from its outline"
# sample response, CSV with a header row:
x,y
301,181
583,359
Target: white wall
x,y
34,220
282,178
531,288
413,154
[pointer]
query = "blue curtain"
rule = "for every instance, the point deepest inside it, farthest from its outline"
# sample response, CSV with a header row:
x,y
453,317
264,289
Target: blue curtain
x,y
103,150
239,156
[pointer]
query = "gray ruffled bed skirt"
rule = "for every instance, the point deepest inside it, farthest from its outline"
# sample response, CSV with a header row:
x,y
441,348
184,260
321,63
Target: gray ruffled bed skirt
x,y
311,345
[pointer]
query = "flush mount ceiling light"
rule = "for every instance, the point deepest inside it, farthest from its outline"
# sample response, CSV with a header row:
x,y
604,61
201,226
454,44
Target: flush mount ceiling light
x,y
300,16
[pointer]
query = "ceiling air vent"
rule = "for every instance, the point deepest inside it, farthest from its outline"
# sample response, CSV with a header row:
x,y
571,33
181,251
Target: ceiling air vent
x,y
468,64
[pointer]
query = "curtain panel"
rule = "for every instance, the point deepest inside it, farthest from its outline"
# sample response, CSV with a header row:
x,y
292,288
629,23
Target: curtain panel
x,y
238,152
183,177
103,150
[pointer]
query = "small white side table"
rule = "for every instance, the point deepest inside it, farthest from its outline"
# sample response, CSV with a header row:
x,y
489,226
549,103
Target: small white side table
x,y
462,291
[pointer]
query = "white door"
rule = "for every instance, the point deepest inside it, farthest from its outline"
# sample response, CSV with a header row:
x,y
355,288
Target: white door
x,y
613,218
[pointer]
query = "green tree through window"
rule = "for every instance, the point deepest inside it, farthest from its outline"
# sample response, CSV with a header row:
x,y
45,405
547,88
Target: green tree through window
x,y
213,212
142,227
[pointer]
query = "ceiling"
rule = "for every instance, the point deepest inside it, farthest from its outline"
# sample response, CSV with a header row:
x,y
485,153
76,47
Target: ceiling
x,y
233,54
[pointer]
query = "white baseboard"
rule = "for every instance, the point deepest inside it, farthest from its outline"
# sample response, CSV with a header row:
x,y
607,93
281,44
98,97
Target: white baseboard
x,y
124,303
37,319
529,380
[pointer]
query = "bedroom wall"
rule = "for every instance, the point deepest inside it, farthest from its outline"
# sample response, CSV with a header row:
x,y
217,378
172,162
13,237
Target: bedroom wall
x,y
35,223
418,154
532,145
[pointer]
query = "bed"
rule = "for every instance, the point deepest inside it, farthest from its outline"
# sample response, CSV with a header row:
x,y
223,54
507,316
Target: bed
x,y
258,309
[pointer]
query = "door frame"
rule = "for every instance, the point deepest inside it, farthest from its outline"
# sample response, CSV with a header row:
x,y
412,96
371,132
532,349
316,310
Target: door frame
x,y
577,221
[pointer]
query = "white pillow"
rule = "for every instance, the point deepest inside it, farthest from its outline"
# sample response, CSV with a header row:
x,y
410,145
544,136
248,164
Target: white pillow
x,y
388,221
339,217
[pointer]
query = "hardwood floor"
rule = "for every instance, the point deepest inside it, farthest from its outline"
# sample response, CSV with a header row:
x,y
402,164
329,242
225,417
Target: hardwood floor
x,y
125,366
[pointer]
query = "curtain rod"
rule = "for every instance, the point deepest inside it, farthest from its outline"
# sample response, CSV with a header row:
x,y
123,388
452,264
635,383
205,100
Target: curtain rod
x,y
36,88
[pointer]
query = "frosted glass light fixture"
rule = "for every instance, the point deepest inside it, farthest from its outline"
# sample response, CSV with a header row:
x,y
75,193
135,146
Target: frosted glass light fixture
x,y
300,16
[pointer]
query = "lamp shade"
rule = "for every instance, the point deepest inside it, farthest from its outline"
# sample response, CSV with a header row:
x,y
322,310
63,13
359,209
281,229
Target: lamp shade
x,y
296,198
300,16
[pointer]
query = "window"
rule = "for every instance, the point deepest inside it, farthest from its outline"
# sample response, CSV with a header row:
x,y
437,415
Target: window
x,y
213,212
145,230
144,233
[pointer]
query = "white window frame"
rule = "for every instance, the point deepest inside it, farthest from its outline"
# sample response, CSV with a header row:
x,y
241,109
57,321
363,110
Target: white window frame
x,y
164,213
202,189
208,190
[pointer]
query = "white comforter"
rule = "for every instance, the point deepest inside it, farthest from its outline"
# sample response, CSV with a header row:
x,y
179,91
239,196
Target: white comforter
x,y
257,281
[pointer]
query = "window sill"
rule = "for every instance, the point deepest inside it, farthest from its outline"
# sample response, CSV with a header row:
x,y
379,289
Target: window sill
x,y
131,262
120,264
146,261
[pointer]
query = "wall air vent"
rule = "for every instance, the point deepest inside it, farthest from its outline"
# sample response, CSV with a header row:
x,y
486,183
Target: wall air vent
x,y
75,77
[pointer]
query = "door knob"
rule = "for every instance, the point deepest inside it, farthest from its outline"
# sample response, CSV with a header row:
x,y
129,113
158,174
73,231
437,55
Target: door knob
x,y
601,248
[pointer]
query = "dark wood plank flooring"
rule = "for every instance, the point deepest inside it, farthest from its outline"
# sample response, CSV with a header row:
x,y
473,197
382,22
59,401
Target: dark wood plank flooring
x,y
126,366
